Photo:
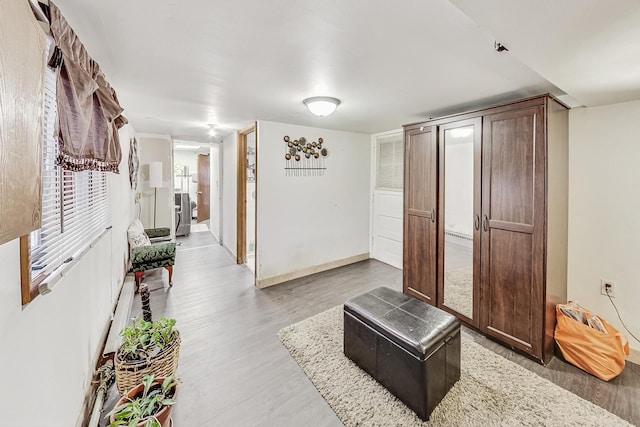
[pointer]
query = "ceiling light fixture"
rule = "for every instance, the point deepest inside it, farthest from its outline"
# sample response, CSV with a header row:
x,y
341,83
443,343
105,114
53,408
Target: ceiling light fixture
x,y
212,130
321,105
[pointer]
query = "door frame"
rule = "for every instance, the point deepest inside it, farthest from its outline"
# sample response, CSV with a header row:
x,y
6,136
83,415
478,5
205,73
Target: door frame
x,y
241,217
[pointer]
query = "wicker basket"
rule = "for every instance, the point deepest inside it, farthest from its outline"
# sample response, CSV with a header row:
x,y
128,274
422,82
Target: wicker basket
x,y
129,373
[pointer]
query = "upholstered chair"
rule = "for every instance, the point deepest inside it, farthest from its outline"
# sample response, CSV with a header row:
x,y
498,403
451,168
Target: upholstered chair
x,y
149,249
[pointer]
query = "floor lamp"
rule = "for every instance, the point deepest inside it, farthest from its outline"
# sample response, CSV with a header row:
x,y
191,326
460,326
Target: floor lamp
x,y
155,181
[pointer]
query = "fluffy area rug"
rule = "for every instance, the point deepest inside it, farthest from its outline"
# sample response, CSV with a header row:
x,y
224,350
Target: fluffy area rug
x,y
492,390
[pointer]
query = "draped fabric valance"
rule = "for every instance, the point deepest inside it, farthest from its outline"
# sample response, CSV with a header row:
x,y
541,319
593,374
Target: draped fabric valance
x,y
89,114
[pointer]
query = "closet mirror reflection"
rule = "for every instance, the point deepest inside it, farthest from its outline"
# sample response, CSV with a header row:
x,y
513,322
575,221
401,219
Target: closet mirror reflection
x,y
458,222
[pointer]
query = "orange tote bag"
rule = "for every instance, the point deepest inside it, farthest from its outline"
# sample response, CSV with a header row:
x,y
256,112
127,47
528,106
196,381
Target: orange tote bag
x,y
598,353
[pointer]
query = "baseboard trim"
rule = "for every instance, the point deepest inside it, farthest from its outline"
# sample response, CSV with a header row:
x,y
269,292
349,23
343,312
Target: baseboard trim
x,y
121,316
274,280
231,253
634,356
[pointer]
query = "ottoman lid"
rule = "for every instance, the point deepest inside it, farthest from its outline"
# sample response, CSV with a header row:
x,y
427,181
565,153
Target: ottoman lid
x,y
412,324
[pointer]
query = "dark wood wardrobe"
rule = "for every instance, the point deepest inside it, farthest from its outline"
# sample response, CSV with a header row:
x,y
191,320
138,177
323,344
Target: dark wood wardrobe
x,y
485,218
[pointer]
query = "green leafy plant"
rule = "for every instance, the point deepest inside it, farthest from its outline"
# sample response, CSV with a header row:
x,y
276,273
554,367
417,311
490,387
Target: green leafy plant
x,y
144,339
144,407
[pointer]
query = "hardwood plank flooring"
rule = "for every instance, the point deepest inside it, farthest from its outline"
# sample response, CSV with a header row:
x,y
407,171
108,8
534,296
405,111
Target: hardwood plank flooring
x,y
235,371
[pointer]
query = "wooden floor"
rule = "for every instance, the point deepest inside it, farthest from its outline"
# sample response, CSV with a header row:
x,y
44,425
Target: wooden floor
x,y
235,372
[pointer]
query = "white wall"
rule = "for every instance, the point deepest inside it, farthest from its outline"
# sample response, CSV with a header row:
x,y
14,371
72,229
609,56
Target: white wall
x,y
229,192
604,210
156,148
310,221
50,347
123,212
215,193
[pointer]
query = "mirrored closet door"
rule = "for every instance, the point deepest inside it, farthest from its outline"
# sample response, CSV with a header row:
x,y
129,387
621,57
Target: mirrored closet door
x,y
459,213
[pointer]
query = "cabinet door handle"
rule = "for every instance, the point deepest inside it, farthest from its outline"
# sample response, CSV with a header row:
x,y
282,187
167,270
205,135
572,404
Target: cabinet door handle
x,y
433,215
476,222
485,223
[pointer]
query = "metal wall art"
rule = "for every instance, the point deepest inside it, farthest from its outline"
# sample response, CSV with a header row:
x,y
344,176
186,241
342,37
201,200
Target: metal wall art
x,y
134,163
304,158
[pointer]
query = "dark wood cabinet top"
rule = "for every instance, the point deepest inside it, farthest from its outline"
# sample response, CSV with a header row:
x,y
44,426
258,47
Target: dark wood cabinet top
x,y
490,109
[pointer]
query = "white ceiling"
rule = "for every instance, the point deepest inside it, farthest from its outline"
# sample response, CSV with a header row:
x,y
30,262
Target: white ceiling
x,y
589,48
179,65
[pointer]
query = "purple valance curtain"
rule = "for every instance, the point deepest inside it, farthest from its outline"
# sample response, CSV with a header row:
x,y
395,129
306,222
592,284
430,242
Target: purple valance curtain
x,y
89,114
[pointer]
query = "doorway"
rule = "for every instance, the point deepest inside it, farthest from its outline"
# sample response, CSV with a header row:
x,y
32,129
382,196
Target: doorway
x,y
196,181
247,197
204,188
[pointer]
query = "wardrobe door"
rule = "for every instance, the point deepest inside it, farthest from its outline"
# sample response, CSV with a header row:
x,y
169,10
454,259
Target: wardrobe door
x,y
420,226
459,205
513,212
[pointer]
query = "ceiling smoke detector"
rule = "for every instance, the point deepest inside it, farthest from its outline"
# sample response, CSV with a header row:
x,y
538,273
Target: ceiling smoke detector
x,y
499,47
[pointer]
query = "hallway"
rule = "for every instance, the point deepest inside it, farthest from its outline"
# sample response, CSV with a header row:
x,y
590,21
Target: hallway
x,y
233,369
235,372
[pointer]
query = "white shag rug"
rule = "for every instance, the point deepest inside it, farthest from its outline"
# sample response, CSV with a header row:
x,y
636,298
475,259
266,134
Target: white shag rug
x,y
492,390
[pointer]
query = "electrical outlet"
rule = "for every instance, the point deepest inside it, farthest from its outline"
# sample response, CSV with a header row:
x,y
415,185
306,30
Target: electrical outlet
x,y
607,287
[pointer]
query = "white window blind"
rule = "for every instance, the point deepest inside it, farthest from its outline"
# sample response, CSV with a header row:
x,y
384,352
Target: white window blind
x,y
389,164
75,205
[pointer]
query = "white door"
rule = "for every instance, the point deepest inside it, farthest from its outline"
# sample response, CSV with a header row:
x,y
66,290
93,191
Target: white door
x,y
387,198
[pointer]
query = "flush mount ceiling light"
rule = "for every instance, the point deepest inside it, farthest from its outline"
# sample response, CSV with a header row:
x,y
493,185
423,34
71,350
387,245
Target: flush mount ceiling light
x,y
321,105
212,130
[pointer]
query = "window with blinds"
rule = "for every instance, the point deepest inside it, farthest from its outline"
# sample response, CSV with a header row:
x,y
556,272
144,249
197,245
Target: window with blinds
x,y
75,207
389,162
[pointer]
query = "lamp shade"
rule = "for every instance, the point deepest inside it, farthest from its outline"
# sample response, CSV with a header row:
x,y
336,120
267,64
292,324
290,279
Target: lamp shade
x,y
155,174
321,105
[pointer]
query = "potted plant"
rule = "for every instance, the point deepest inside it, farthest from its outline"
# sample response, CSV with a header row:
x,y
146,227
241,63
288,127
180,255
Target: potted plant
x,y
148,347
148,404
145,339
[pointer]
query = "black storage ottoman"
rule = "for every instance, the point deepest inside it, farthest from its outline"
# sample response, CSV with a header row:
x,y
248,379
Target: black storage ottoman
x,y
408,346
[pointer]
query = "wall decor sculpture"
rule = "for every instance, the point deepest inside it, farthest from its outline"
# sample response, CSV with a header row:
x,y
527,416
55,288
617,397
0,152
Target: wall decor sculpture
x,y
134,163
304,158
